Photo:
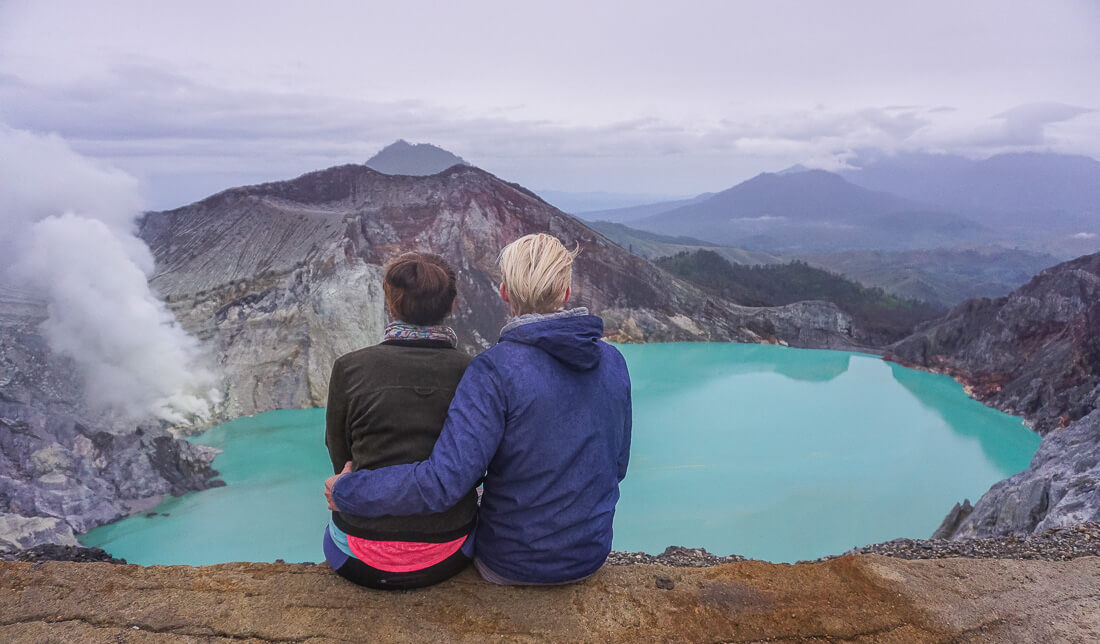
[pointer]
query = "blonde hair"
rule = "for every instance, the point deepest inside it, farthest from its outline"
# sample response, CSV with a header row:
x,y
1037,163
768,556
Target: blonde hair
x,y
537,271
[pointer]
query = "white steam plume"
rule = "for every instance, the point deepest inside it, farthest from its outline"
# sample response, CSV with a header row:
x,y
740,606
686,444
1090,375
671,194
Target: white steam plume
x,y
68,226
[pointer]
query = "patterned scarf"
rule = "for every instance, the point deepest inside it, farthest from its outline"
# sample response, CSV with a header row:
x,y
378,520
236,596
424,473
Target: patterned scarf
x,y
405,331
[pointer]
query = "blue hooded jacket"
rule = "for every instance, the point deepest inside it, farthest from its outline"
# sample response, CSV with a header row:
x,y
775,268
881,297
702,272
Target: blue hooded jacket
x,y
545,415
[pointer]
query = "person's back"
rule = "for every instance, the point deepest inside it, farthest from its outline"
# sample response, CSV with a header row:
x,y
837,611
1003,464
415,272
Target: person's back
x,y
545,415
386,406
551,488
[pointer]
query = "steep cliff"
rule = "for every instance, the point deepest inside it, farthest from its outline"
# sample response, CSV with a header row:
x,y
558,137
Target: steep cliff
x,y
63,468
1036,353
281,278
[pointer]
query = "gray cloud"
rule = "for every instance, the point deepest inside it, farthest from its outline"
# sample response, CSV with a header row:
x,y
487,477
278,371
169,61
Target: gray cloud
x,y
1026,124
685,100
166,121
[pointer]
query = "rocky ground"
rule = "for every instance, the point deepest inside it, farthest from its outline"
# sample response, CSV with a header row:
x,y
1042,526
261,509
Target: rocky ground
x,y
864,598
676,556
56,552
1055,544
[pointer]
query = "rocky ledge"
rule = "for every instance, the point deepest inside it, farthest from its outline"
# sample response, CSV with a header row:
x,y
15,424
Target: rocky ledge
x,y
854,598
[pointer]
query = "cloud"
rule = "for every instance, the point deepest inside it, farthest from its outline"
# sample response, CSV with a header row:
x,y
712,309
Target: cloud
x,y
68,224
1023,127
1026,124
187,138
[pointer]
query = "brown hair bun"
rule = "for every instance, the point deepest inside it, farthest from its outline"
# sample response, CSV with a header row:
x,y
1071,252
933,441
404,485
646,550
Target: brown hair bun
x,y
420,288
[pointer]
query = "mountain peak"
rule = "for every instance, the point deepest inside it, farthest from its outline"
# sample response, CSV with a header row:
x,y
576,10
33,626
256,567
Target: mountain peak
x,y
419,159
794,169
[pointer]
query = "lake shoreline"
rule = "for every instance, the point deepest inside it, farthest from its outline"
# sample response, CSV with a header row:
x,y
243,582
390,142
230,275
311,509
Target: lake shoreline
x,y
849,500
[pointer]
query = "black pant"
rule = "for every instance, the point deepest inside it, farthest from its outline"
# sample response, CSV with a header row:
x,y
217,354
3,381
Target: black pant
x,y
360,573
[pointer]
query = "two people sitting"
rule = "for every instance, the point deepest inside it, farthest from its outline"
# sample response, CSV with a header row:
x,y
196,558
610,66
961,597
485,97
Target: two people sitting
x,y
541,420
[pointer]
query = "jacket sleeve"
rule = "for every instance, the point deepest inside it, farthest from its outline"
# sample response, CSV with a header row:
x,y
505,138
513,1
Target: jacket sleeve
x,y
336,420
624,451
470,437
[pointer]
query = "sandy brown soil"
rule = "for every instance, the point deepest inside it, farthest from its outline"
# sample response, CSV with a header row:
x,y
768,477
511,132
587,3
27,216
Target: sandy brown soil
x,y
859,598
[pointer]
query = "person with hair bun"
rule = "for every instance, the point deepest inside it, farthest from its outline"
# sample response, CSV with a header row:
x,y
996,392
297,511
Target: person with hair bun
x,y
386,406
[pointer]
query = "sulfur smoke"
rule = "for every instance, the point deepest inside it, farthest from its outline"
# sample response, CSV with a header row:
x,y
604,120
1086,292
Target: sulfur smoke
x,y
68,235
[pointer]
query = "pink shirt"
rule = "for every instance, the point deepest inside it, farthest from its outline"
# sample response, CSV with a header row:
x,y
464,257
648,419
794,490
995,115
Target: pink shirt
x,y
402,556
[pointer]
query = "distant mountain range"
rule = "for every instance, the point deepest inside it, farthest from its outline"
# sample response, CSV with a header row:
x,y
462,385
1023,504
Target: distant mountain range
x,y
1030,190
634,213
1043,202
909,201
813,211
599,202
653,246
942,276
419,160
938,228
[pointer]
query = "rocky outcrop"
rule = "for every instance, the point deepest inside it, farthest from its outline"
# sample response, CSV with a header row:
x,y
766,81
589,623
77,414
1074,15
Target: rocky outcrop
x,y
281,278
1060,488
17,532
1036,353
63,468
861,598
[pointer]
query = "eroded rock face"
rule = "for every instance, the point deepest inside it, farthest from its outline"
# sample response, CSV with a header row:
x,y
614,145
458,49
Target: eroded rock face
x,y
18,532
1036,353
63,468
280,279
1060,488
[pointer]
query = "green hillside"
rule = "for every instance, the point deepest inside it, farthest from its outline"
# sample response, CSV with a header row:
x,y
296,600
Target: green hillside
x,y
887,315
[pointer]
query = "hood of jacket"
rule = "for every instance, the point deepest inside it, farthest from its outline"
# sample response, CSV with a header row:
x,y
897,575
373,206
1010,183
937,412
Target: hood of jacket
x,y
572,340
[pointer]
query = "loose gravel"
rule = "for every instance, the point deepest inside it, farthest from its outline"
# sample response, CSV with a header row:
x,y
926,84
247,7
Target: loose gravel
x,y
1055,544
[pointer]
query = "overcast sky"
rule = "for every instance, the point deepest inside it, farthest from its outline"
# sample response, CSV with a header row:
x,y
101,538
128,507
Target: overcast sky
x,y
668,98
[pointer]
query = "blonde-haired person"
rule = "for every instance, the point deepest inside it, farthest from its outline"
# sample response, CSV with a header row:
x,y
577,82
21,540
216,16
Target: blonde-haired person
x,y
544,415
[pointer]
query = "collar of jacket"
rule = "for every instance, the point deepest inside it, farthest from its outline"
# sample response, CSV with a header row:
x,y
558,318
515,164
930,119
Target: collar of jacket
x,y
528,318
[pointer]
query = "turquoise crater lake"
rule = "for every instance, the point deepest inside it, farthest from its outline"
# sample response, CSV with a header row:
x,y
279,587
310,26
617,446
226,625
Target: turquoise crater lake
x,y
763,451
